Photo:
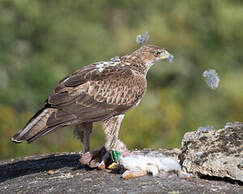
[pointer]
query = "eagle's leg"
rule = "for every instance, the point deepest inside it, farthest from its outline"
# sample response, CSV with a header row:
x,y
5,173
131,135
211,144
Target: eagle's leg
x,y
98,158
112,126
82,132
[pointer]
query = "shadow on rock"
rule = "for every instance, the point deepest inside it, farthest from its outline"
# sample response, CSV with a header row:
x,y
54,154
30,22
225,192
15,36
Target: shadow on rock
x,y
32,165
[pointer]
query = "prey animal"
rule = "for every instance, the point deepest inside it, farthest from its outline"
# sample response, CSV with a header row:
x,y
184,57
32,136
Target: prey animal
x,y
101,91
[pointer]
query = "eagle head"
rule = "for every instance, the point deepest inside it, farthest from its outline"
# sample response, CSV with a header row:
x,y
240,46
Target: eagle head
x,y
150,54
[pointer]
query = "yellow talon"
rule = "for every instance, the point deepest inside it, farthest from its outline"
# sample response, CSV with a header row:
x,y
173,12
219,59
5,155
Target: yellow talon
x,y
112,166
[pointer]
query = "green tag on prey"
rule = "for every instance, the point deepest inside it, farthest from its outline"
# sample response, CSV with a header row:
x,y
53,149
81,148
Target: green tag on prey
x,y
115,155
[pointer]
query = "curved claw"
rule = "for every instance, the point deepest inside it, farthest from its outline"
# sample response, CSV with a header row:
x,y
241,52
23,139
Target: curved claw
x,y
105,159
85,158
96,158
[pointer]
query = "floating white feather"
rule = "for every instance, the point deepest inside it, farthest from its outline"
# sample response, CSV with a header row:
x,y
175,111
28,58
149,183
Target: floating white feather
x,y
211,78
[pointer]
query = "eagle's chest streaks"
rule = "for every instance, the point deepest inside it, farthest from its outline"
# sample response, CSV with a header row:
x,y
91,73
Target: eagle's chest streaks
x,y
118,90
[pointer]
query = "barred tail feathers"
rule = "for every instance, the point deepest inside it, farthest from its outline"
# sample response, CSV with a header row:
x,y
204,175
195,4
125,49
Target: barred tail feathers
x,y
36,125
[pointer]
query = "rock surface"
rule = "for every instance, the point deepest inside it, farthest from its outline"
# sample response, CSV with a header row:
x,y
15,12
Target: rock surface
x,y
62,173
217,153
207,152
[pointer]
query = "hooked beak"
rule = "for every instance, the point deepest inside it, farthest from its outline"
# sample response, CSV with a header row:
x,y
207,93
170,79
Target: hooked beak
x,y
167,55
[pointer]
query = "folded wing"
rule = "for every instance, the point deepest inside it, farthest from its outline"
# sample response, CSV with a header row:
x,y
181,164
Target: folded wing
x,y
90,94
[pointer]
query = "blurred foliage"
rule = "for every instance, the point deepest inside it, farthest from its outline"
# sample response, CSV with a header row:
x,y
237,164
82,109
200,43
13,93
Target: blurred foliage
x,y
43,41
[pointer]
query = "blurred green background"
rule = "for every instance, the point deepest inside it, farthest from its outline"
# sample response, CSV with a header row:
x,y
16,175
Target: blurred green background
x,y
43,41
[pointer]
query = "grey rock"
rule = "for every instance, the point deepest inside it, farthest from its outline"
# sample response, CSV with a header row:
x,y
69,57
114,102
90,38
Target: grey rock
x,y
62,173
217,153
207,128
230,125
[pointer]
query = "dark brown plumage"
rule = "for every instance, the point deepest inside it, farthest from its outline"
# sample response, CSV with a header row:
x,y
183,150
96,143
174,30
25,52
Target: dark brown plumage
x,y
97,92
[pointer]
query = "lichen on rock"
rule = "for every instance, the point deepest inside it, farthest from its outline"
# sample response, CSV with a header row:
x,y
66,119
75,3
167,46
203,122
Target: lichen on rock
x,y
214,152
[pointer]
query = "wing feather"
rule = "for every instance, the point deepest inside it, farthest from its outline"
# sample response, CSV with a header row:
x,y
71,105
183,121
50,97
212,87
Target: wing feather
x,y
91,95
